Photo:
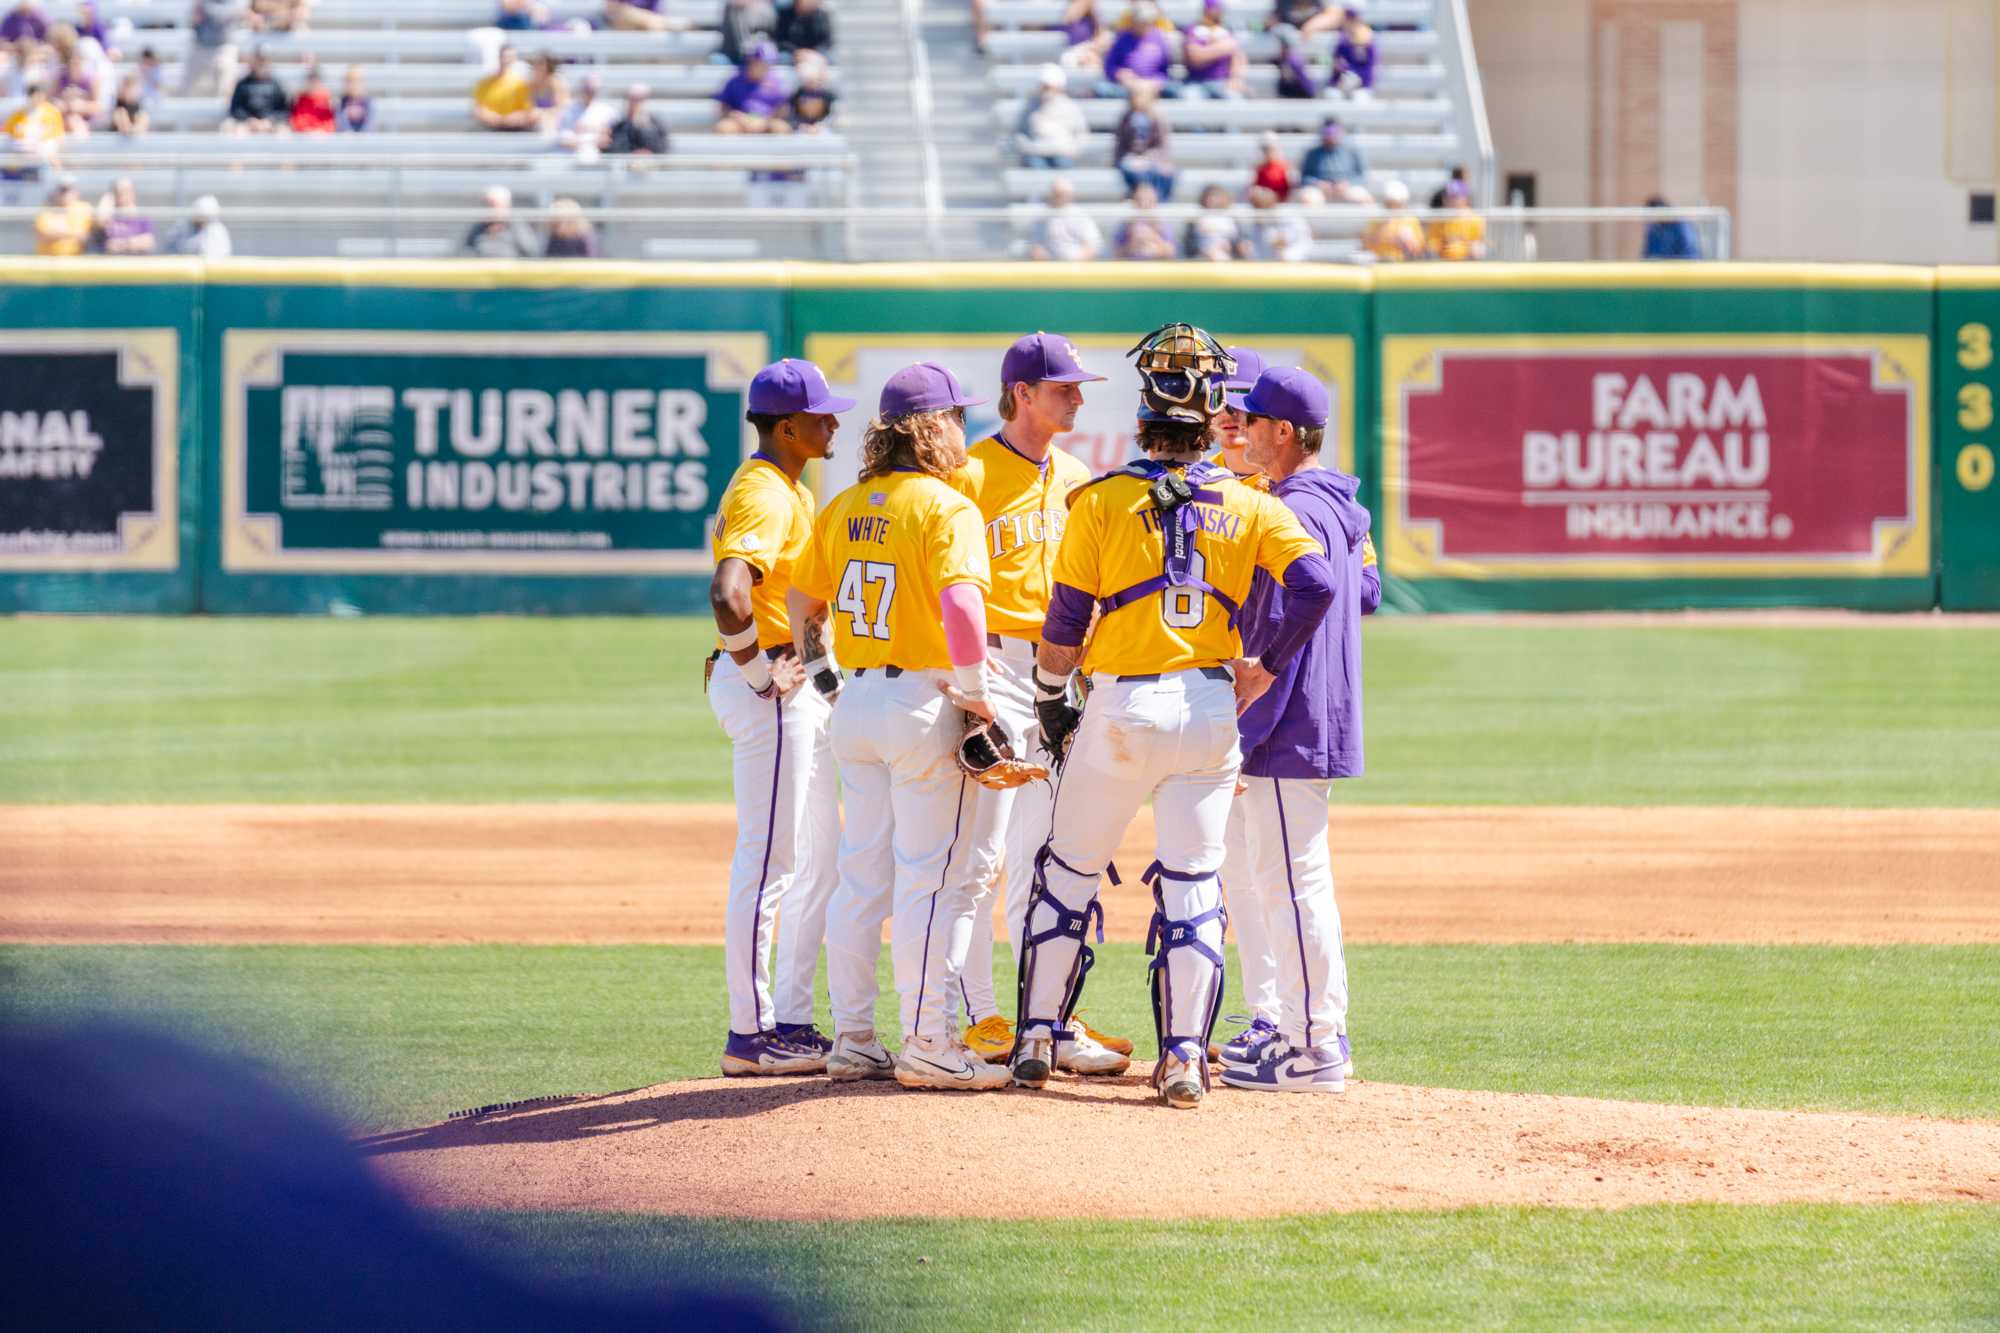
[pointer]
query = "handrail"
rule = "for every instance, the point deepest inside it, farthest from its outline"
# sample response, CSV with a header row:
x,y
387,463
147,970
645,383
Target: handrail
x,y
1469,95
923,109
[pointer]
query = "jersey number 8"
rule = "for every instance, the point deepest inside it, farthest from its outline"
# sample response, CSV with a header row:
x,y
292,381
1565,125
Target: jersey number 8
x,y
1183,608
853,597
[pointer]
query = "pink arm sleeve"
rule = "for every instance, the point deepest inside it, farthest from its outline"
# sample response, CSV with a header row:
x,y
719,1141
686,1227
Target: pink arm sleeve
x,y
963,607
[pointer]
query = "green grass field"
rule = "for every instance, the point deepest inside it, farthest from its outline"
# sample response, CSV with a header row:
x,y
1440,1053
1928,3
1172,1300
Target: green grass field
x,y
1458,712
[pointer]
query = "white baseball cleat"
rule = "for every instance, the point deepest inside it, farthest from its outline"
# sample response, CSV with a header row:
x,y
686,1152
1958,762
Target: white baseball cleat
x,y
856,1056
1084,1055
1288,1068
944,1062
1035,1060
1179,1079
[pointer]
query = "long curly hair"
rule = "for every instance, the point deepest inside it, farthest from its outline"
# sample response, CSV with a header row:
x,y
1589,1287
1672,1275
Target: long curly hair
x,y
930,442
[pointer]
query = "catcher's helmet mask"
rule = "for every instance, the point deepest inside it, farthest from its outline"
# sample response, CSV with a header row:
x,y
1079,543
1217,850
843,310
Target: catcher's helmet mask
x,y
1183,374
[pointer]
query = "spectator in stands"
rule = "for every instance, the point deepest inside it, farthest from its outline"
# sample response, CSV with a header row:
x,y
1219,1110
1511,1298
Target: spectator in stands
x,y
1354,57
1143,148
209,63
258,104
1277,234
282,15
203,235
1395,237
152,78
123,229
501,100
1052,129
811,104
1305,17
498,235
521,16
1083,39
754,96
745,23
639,132
1142,52
38,127
1462,235
1213,234
585,125
1670,238
25,22
547,91
128,113
1273,172
1214,59
1336,165
1143,235
805,26
1296,79
78,95
1065,231
65,227
640,16
312,110
357,108
1457,177
570,234
88,24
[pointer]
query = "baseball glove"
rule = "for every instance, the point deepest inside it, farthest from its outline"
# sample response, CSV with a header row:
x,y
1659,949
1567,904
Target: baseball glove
x,y
987,757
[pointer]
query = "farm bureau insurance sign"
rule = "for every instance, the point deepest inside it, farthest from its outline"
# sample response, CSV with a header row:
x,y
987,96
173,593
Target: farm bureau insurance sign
x,y
88,431
1578,458
483,453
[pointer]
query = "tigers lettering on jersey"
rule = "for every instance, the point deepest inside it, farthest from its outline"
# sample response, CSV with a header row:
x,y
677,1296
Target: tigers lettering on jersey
x,y
879,555
1025,508
1114,542
764,520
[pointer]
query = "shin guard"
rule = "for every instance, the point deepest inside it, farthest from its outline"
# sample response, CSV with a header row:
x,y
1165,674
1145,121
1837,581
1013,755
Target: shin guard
x,y
1162,939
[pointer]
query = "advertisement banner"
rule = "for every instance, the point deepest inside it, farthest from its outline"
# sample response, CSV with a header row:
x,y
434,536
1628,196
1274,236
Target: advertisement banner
x,y
858,364
89,432
420,453
1637,457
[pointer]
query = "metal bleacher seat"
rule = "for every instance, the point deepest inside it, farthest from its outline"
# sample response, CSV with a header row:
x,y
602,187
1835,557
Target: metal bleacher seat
x,y
386,13
396,117
1035,48
1406,115
1104,185
393,46
1404,153
698,81
1424,80
1012,14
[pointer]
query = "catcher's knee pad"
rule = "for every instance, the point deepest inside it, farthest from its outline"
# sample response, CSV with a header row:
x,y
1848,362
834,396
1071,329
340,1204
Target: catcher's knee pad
x,y
1163,938
1070,924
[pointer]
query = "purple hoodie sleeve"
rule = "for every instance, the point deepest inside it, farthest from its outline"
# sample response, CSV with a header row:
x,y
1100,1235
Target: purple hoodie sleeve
x,y
1371,590
1069,616
1308,594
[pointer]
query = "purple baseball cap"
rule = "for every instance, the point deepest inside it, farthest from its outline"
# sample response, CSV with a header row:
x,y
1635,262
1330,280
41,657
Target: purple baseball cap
x,y
924,387
1288,394
1249,365
789,386
1043,356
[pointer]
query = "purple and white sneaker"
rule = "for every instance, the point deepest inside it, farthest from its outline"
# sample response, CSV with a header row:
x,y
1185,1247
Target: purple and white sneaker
x,y
805,1036
1286,1068
1346,1058
768,1053
1248,1045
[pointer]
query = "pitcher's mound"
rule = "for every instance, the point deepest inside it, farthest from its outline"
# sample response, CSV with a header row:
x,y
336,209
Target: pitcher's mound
x,y
812,1149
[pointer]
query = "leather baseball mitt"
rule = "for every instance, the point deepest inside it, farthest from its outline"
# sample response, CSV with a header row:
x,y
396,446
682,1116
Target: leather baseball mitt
x,y
988,758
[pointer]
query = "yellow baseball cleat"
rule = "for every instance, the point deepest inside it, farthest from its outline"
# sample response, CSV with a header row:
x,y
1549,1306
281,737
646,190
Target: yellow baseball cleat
x,y
991,1038
1122,1045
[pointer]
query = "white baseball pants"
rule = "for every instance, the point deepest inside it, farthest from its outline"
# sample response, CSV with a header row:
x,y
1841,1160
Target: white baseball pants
x,y
787,827
1009,827
1172,739
1285,824
905,852
1255,964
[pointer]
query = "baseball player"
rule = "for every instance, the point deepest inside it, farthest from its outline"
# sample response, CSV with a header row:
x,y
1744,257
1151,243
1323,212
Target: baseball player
x,y
1163,548
787,802
1022,484
900,561
1304,732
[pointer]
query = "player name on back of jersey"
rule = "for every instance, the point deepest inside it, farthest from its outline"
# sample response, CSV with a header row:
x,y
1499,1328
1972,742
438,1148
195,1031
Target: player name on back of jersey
x,y
868,528
1212,518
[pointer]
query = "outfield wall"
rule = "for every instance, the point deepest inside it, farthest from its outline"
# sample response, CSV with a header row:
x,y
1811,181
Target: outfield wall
x,y
284,437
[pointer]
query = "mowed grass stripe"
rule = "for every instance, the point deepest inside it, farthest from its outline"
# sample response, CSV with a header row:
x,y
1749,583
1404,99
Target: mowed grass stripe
x,y
1903,1266
391,1037
1497,713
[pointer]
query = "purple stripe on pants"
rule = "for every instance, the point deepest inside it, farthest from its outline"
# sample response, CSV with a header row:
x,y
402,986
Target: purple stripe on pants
x,y
944,876
1305,974
764,872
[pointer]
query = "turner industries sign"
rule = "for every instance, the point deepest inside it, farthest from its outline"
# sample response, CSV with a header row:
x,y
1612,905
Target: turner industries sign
x,y
1576,457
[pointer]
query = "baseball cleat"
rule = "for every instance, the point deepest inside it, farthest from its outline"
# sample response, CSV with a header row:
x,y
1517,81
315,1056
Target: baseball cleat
x,y
991,1038
856,1056
1180,1080
1082,1055
1035,1061
1346,1058
805,1036
944,1062
767,1053
1245,1047
1122,1045
1287,1068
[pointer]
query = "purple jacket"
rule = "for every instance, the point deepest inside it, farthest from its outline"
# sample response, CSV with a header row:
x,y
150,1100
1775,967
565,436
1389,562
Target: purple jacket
x,y
1144,51
754,97
1308,724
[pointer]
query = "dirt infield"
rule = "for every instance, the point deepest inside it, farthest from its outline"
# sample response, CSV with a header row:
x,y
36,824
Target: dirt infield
x,y
635,873
810,1149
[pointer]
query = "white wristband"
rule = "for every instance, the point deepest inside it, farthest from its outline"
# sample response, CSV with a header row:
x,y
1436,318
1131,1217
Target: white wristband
x,y
756,672
741,639
971,680
1049,686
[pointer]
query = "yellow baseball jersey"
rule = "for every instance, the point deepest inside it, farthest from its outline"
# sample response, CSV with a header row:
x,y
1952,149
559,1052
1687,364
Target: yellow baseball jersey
x,y
1256,481
1114,542
765,520
880,553
1024,508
